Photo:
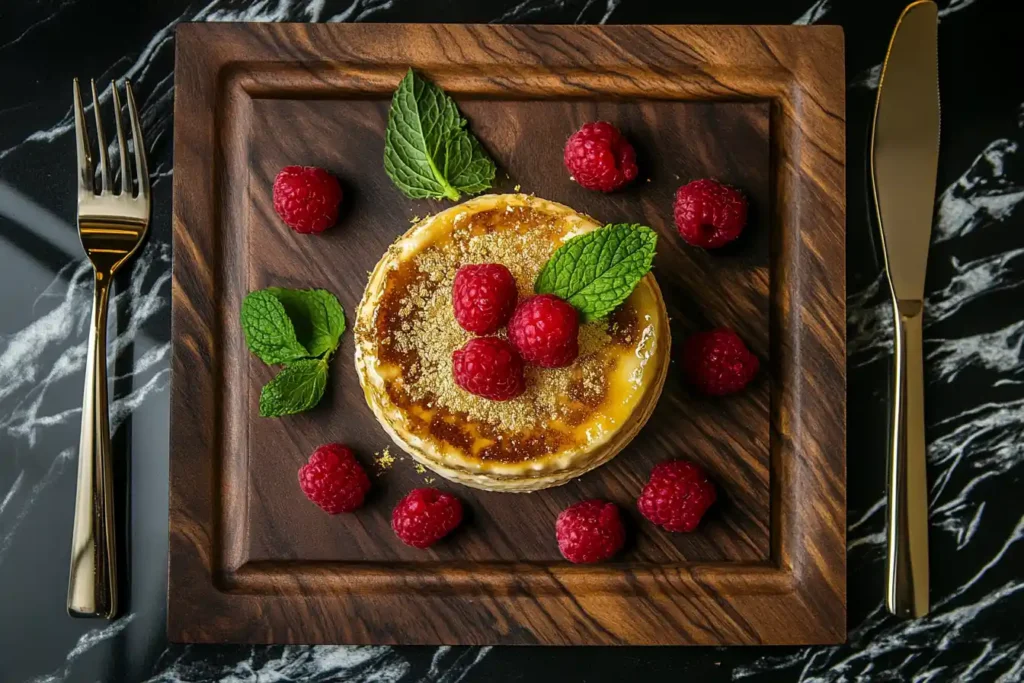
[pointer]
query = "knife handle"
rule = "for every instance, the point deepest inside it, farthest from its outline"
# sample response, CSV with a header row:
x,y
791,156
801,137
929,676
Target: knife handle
x,y
906,593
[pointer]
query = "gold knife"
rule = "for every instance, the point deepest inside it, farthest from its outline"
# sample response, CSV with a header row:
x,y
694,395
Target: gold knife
x,y
904,165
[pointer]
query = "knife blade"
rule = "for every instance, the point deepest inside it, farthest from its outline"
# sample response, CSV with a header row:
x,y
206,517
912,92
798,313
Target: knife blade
x,y
904,167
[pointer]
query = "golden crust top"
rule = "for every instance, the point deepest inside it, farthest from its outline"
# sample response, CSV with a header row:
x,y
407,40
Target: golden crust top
x,y
406,332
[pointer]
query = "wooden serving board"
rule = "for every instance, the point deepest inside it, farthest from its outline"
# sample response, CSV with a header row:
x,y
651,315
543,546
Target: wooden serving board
x,y
759,107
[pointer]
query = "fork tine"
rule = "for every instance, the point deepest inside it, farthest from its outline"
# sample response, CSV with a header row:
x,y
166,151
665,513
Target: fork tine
x,y
100,140
126,170
140,154
85,179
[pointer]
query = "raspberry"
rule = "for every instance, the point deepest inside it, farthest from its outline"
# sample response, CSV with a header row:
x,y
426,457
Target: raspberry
x,y
307,198
334,479
545,328
590,531
709,214
599,157
677,495
489,367
484,297
717,362
425,516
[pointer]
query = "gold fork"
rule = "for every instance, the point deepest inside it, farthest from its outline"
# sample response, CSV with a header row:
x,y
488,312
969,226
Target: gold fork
x,y
111,227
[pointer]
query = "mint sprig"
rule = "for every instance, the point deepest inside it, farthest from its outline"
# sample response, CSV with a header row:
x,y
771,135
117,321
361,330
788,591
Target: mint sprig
x,y
598,270
428,153
300,328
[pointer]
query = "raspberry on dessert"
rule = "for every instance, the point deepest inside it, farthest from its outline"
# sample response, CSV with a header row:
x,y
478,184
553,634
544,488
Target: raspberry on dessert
x,y
599,157
483,297
425,516
307,198
489,367
717,362
677,495
545,330
334,479
709,214
590,531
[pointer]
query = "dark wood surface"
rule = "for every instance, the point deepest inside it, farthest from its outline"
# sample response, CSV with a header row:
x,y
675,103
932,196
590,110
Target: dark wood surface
x,y
729,437
252,560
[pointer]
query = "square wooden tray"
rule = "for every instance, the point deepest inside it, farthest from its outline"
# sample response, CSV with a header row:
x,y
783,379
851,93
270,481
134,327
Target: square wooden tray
x,y
760,107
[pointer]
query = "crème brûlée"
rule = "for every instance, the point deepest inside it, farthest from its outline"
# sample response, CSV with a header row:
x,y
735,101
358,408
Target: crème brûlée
x,y
568,421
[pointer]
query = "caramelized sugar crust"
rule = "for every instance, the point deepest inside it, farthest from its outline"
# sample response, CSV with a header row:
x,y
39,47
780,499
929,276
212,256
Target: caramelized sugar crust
x,y
406,332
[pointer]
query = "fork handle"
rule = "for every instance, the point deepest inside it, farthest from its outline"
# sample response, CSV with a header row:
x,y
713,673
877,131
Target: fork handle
x,y
92,585
906,592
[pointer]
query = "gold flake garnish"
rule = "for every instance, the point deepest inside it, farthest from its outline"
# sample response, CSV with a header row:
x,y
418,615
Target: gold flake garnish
x,y
384,459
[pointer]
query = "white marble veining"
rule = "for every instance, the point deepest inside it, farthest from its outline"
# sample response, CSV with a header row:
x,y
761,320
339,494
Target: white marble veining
x,y
450,665
363,664
11,491
954,6
23,362
20,512
1000,351
814,13
985,194
291,663
86,642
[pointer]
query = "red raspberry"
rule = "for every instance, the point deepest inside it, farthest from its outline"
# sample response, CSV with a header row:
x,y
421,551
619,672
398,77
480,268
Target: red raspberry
x,y
677,495
489,367
334,479
307,198
483,297
717,362
599,157
590,531
545,328
425,516
709,214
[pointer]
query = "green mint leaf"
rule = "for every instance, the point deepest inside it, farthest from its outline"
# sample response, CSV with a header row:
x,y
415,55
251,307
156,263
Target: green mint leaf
x,y
427,151
468,167
598,270
296,388
269,332
317,316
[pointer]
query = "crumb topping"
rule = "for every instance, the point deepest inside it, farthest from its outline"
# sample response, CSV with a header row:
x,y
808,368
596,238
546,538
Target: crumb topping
x,y
384,459
417,331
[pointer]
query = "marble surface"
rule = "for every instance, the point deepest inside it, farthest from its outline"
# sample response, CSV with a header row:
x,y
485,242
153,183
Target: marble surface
x,y
974,332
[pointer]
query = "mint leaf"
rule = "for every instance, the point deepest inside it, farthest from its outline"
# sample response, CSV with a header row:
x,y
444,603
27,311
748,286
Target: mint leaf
x,y
427,151
597,271
269,332
317,316
467,165
296,388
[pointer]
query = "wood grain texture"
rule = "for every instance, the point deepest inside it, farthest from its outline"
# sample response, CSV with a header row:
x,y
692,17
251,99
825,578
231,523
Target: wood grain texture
x,y
762,108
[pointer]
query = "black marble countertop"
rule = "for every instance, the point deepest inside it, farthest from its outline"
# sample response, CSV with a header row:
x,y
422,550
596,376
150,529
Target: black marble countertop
x,y
974,335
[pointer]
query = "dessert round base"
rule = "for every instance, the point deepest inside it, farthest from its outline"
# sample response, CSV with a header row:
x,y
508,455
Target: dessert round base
x,y
568,421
